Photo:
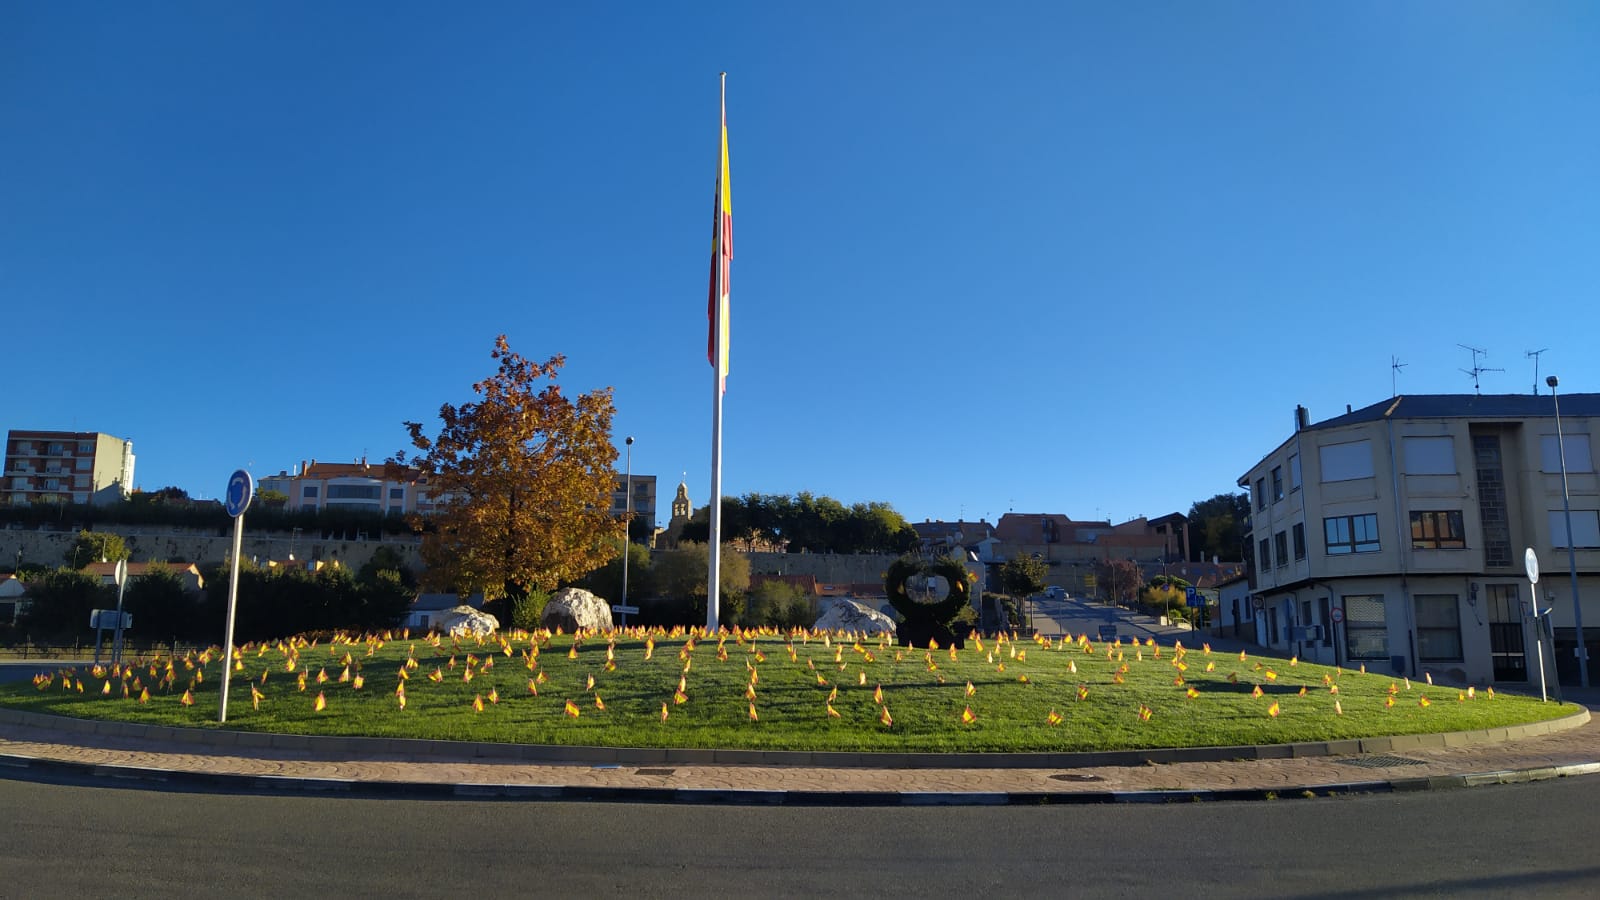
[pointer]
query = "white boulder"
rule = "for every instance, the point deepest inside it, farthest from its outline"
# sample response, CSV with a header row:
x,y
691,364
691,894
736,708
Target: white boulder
x,y
464,621
848,615
573,609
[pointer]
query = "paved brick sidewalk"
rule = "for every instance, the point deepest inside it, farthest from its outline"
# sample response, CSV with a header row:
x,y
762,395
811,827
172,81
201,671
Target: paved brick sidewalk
x,y
44,749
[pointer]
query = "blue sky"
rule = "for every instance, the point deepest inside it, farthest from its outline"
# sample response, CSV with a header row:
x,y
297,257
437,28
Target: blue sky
x,y
1060,257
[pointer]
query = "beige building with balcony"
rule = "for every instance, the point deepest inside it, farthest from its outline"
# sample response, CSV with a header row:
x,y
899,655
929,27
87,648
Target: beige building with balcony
x,y
1394,536
66,467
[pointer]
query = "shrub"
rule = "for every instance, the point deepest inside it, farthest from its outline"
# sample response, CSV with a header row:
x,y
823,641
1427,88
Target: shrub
x,y
527,611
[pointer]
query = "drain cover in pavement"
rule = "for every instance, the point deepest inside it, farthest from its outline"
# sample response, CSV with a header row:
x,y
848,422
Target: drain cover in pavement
x,y
1075,776
654,771
1381,762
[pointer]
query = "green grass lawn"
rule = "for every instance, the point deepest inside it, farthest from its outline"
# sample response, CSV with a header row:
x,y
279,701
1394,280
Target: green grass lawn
x,y
1024,695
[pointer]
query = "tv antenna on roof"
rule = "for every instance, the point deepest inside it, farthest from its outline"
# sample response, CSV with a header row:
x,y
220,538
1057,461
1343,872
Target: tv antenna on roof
x,y
1534,355
1476,369
1395,365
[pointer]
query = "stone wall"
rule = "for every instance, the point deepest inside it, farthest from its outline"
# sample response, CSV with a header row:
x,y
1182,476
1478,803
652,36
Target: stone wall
x,y
829,568
204,547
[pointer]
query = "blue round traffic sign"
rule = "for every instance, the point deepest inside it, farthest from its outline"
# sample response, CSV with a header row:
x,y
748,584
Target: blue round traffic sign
x,y
240,489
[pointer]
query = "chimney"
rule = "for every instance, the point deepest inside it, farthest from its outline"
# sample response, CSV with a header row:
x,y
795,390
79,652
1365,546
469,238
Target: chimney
x,y
1302,418
302,471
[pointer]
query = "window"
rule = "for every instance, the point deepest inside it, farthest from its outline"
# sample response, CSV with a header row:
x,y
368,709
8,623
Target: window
x,y
1299,540
1577,447
1429,455
1294,472
1437,530
1265,561
1438,628
85,446
1585,529
1352,534
353,491
397,493
1366,632
309,492
1277,483
1282,541
1261,493
1346,462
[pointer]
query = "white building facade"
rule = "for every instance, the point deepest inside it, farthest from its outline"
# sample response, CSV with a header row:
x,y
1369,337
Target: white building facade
x,y
1394,536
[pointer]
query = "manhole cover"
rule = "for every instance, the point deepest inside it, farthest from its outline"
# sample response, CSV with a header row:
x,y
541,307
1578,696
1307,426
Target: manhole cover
x,y
1075,776
654,771
1381,762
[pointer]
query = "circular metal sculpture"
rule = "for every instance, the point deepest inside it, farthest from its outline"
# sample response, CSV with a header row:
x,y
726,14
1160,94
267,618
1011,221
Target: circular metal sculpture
x,y
926,621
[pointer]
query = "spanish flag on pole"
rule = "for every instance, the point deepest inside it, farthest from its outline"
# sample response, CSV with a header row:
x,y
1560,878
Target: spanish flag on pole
x,y
721,263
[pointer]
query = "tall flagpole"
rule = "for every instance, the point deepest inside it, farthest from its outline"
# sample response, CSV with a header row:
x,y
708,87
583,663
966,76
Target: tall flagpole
x,y
718,336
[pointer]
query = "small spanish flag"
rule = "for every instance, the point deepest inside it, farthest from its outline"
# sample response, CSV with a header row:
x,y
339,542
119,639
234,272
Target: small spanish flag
x,y
321,704
1256,692
1144,713
1054,718
753,716
1424,702
1273,709
663,708
477,703
571,709
967,716
187,699
832,713
598,703
885,718
1191,692
679,698
970,689
877,695
1083,692
494,695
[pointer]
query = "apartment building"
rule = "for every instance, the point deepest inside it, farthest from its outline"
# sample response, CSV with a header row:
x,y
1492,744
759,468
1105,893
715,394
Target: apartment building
x,y
643,506
66,467
361,485
354,485
1394,536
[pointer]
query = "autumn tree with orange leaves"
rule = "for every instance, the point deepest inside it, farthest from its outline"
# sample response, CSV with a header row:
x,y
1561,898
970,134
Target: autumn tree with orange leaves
x,y
522,478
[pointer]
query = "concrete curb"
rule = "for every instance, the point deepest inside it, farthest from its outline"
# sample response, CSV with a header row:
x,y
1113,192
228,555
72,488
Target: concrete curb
x,y
532,753
29,768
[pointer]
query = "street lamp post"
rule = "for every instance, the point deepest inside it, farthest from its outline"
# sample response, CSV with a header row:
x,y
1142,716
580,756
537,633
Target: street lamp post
x,y
1572,553
627,522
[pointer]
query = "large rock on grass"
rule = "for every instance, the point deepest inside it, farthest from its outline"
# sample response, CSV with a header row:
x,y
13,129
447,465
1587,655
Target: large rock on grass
x,y
848,615
572,609
464,621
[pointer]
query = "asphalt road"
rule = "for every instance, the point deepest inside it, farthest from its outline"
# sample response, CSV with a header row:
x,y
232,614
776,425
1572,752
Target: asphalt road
x,y
89,841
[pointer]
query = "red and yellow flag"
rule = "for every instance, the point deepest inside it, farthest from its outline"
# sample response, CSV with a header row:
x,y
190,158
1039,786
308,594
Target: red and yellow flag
x,y
968,716
1273,709
1054,718
572,709
721,262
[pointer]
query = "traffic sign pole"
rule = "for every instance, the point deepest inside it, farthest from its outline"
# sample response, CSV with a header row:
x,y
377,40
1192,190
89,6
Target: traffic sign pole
x,y
122,584
1530,562
240,490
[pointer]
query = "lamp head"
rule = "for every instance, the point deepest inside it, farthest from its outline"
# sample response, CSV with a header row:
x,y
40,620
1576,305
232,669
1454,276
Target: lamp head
x,y
630,440
1552,380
